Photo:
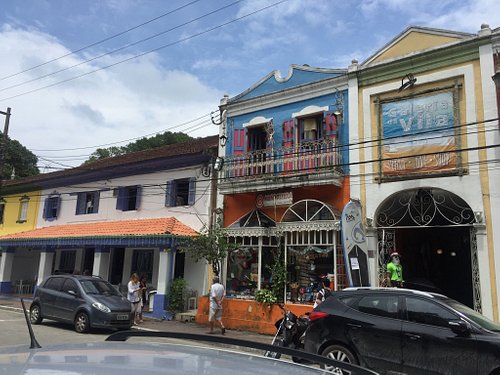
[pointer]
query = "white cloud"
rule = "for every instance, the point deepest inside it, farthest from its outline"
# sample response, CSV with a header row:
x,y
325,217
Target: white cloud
x,y
129,100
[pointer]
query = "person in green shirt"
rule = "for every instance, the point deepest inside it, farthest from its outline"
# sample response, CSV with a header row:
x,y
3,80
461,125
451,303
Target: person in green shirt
x,y
395,271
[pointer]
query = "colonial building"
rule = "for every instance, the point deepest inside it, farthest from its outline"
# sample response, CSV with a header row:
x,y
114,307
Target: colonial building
x,y
113,217
283,182
424,120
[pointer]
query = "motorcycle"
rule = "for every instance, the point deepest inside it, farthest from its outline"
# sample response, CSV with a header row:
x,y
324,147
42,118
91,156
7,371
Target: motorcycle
x,y
290,332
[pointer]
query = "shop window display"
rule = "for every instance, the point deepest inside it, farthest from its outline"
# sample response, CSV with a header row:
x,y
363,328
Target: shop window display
x,y
243,273
305,268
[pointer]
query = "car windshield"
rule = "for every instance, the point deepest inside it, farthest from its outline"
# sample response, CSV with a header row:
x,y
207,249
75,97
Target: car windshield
x,y
474,315
99,287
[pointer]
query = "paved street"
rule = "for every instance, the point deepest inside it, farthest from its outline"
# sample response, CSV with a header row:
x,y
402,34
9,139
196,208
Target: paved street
x,y
15,332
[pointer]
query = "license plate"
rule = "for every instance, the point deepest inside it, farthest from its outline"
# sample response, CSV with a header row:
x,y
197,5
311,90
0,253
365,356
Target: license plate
x,y
122,317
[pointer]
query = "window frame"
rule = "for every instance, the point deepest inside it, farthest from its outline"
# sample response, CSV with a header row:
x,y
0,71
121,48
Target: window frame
x,y
124,198
82,201
453,315
23,209
172,187
52,205
3,203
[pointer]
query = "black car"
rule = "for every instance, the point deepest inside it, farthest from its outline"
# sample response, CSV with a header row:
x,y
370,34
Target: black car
x,y
84,301
392,330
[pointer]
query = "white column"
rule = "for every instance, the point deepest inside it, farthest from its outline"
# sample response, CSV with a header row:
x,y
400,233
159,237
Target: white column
x,y
484,271
6,261
45,264
101,262
372,244
164,279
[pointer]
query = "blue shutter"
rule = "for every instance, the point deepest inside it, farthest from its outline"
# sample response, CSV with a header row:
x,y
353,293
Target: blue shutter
x,y
96,202
80,203
169,196
138,197
192,191
46,208
121,199
58,207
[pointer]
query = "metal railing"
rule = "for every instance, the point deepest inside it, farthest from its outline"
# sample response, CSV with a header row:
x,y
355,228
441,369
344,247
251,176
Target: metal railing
x,y
303,158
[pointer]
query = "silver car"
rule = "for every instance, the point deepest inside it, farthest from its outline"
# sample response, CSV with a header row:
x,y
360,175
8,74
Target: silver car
x,y
84,301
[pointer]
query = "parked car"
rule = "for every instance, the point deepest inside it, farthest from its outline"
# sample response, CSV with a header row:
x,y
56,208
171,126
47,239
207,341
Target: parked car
x,y
84,301
404,331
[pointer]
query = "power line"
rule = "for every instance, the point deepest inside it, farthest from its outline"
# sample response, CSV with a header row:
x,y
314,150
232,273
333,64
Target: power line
x,y
147,52
119,49
100,41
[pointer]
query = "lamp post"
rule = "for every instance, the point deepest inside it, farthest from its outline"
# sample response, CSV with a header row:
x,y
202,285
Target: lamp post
x,y
3,144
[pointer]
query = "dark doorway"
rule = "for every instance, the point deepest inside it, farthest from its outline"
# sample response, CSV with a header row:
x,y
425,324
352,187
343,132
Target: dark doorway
x,y
437,259
179,264
117,259
88,260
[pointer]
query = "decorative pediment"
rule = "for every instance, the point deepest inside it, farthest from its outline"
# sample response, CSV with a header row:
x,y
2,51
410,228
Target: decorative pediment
x,y
310,110
256,121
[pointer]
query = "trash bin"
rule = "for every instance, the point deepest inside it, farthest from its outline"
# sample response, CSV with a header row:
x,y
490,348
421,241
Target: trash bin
x,y
151,299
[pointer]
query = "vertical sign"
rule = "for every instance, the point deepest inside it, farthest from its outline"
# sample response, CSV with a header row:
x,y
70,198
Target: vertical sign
x,y
355,246
418,135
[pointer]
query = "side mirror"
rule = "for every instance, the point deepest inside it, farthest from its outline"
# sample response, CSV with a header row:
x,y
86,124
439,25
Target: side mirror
x,y
460,327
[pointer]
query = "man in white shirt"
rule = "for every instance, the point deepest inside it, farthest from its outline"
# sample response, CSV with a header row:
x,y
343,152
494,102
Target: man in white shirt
x,y
217,293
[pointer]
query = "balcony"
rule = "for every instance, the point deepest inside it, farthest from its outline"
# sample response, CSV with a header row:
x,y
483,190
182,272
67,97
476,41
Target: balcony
x,y
306,164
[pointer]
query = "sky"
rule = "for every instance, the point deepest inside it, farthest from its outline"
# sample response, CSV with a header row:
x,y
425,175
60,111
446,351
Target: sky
x,y
81,75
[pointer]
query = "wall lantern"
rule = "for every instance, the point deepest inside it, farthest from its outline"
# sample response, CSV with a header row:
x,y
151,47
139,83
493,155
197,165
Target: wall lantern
x,y
407,81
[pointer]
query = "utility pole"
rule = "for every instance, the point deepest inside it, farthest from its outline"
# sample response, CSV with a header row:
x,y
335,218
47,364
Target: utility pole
x,y
3,145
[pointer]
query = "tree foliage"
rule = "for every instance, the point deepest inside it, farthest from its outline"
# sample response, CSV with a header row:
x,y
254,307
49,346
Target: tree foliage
x,y
166,138
18,161
213,247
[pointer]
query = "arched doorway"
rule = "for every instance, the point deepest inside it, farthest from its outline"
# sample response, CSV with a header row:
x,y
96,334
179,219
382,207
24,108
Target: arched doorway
x,y
432,229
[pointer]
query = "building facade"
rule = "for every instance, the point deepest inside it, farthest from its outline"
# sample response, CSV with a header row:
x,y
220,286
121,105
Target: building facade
x,y
114,217
424,109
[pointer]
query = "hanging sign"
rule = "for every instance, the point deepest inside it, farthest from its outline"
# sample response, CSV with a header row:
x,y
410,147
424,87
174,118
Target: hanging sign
x,y
355,244
271,200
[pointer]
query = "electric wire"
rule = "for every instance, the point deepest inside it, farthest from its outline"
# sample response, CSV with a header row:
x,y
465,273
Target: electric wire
x,y
100,41
192,36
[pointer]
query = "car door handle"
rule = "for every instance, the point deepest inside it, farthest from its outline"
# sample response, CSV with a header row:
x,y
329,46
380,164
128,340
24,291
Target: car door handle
x,y
352,325
412,336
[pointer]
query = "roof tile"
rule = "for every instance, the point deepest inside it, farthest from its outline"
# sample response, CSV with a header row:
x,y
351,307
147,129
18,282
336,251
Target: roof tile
x,y
142,227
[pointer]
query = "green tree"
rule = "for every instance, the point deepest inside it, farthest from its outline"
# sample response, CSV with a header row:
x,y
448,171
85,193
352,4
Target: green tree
x,y
212,246
18,161
159,140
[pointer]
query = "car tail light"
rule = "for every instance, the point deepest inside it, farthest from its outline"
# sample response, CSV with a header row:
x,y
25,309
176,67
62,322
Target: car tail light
x,y
315,315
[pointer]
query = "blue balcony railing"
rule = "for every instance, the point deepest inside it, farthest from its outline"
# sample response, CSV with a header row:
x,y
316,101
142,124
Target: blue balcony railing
x,y
304,158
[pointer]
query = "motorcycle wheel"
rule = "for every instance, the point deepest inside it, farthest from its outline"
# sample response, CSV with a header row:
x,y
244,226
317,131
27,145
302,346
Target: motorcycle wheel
x,y
275,355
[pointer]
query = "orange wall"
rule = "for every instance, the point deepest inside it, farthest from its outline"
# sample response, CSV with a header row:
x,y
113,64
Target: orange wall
x,y
248,315
237,205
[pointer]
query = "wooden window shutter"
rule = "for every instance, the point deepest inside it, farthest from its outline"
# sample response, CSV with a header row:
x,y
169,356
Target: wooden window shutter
x,y
138,194
169,196
46,205
288,133
192,191
80,203
58,207
330,125
121,199
96,202
239,142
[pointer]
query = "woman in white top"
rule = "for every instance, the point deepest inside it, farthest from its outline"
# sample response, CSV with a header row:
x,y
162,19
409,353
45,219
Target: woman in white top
x,y
133,295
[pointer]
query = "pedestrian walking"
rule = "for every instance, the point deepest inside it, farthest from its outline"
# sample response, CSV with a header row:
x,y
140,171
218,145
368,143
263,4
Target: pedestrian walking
x,y
217,293
323,292
133,295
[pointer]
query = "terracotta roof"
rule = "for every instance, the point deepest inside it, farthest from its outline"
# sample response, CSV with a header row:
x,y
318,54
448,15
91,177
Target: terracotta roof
x,y
193,146
143,227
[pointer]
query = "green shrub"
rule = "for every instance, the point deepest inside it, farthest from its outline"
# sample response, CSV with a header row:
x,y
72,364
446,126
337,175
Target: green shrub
x,y
265,296
177,295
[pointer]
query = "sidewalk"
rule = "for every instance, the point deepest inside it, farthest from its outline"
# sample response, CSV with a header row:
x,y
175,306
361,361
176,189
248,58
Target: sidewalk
x,y
14,302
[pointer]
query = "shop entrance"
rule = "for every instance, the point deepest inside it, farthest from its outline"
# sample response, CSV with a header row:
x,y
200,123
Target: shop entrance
x,y
437,259
432,230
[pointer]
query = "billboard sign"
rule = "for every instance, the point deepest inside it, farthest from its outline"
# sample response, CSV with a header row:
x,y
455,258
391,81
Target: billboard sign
x,y
418,135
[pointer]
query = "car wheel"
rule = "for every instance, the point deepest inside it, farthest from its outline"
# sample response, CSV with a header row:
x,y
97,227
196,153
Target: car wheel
x,y
82,323
35,314
341,354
